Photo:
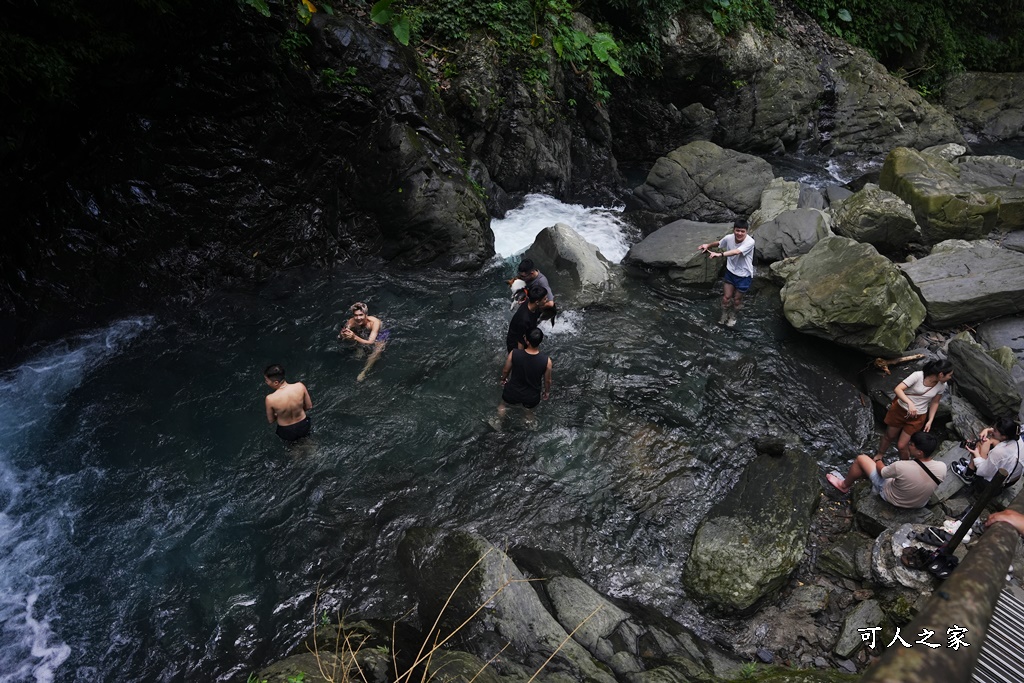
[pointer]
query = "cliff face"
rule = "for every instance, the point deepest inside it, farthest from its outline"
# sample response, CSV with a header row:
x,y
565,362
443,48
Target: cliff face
x,y
336,144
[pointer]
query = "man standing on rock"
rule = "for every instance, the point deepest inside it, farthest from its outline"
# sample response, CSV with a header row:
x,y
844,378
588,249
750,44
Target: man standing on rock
x,y
905,483
287,405
738,249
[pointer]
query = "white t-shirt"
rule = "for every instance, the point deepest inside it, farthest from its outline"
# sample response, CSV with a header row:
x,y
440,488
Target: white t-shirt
x,y
1003,455
919,393
742,264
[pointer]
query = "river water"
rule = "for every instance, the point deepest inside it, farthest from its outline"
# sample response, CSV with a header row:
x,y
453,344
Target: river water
x,y
153,528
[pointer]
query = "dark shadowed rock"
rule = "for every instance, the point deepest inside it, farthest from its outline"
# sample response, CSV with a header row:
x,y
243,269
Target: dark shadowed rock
x,y
435,561
990,105
962,282
983,381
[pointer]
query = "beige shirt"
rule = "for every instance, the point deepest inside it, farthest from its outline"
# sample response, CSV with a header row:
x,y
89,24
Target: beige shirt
x,y
909,486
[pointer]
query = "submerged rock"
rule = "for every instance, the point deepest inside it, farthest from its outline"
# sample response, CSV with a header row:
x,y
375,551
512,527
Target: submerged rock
x,y
702,181
752,540
847,292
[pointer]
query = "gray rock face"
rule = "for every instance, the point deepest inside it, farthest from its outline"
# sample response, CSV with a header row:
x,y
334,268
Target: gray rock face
x,y
876,112
846,292
702,181
791,233
673,248
873,515
948,151
583,274
867,614
991,105
780,195
877,217
1001,177
753,539
1004,332
983,381
968,283
435,561
848,556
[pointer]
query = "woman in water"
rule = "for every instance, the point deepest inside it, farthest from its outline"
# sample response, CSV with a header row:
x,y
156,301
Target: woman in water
x,y
913,409
365,330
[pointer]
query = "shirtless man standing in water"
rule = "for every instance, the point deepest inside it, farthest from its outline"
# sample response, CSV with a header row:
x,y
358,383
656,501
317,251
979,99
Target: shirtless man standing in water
x,y
287,405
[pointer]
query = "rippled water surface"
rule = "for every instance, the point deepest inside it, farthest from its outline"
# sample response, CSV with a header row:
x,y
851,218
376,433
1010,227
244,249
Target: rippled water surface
x,y
153,528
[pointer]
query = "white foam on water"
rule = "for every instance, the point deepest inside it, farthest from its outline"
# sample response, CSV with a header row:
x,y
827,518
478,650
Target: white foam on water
x,y
30,528
601,226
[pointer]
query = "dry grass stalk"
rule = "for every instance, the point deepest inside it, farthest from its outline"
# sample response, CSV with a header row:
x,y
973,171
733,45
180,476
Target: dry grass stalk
x,y
345,666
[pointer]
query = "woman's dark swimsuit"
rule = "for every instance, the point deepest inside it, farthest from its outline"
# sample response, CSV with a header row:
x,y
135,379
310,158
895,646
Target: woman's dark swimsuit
x,y
294,432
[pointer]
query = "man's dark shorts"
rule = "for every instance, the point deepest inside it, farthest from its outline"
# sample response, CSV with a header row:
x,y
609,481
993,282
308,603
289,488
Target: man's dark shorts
x,y
514,398
740,283
294,432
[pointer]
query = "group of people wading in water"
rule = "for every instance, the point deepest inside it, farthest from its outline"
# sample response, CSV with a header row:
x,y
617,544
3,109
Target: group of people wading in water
x,y
526,380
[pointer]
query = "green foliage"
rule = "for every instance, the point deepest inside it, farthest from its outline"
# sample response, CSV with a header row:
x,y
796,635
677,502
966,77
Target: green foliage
x,y
329,78
382,12
254,679
297,678
293,43
258,5
929,39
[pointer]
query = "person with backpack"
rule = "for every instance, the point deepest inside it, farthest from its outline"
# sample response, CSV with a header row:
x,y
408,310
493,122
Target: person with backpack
x,y
905,483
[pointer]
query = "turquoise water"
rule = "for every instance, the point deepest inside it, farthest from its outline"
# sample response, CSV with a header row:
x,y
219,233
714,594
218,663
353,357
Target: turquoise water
x,y
153,528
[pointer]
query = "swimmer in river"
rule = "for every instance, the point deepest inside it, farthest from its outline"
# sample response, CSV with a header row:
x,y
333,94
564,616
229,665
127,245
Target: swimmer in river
x,y
365,331
287,405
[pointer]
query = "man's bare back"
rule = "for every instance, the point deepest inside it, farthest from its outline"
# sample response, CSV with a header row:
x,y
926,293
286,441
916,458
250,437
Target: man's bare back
x,y
287,405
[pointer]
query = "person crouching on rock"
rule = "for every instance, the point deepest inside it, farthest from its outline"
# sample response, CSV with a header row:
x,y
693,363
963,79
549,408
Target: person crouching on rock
x,y
998,447
905,483
913,409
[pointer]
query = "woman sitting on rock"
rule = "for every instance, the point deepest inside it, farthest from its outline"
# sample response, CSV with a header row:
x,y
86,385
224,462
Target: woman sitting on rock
x,y
913,409
998,447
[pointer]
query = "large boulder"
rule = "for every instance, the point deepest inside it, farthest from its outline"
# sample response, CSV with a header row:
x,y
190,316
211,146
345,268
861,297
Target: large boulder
x,y
436,561
583,274
983,381
877,217
673,249
702,181
989,105
624,638
790,233
752,540
847,292
966,282
875,111
780,195
1004,332
945,207
1002,177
